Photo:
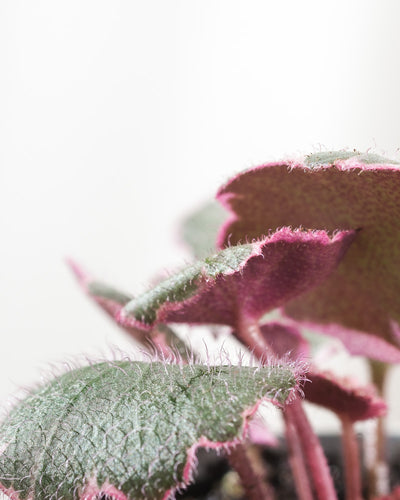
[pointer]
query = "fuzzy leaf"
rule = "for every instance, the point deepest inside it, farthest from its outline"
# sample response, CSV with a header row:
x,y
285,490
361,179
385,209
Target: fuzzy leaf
x,y
361,344
163,340
241,282
330,191
285,340
343,396
129,429
107,297
200,229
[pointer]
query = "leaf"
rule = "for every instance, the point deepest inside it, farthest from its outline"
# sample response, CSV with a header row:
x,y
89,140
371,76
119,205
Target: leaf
x,y
343,396
162,340
200,229
285,340
107,297
242,282
129,429
361,344
330,191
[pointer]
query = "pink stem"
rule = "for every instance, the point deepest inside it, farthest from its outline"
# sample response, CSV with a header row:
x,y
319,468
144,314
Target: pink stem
x,y
351,460
312,451
248,332
252,483
166,344
296,460
377,466
158,343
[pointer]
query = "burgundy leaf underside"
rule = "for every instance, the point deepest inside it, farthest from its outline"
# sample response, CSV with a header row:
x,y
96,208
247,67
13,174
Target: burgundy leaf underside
x,y
362,294
281,267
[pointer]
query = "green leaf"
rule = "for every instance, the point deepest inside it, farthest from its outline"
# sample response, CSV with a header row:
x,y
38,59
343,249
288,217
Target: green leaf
x,y
187,282
163,340
129,429
200,229
105,291
242,282
330,157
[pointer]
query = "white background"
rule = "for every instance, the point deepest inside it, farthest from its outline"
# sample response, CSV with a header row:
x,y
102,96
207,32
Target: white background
x,y
119,117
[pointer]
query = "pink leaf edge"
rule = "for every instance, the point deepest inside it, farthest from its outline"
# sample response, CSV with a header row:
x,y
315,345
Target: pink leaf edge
x,y
203,442
91,491
110,307
13,494
281,266
343,395
335,194
356,342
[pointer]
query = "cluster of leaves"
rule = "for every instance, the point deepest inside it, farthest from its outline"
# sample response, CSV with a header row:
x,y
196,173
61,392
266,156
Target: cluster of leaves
x,y
317,239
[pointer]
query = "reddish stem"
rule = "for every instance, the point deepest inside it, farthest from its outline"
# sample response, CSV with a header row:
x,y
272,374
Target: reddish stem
x,y
351,460
165,343
296,460
248,332
158,344
377,468
312,451
252,483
